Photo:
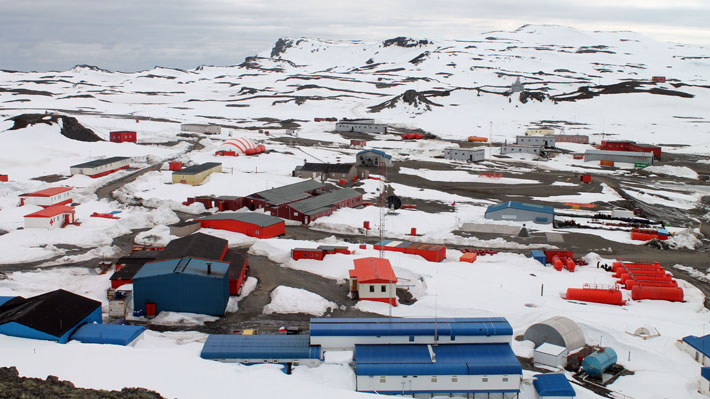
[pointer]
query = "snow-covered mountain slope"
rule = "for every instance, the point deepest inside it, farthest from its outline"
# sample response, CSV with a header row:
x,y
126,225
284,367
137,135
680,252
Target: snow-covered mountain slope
x,y
584,82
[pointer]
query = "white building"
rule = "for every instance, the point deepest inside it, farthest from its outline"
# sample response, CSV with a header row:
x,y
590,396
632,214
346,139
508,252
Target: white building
x,y
52,217
545,131
427,371
540,141
360,126
704,387
697,347
520,149
48,197
101,167
551,355
200,128
465,154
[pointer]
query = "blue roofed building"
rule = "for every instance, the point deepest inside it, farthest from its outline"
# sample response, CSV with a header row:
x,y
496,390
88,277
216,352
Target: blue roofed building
x,y
110,334
553,386
345,333
53,316
521,212
373,158
260,349
698,348
704,381
432,370
185,284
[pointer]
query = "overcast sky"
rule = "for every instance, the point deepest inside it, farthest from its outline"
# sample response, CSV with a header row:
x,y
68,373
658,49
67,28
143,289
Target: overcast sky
x,y
130,35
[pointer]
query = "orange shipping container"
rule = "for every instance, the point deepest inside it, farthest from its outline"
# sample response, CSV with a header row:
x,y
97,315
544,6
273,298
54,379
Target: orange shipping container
x,y
477,139
606,163
469,257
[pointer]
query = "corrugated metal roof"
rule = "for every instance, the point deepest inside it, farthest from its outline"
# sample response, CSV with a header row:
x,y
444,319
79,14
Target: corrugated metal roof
x,y
259,347
113,334
327,167
98,162
185,265
458,326
701,344
553,385
522,206
197,245
47,192
319,203
373,270
196,169
450,359
378,152
258,219
289,193
620,153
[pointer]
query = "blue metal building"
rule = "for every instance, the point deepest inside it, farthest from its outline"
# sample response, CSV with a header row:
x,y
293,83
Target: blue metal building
x,y
539,255
182,285
111,334
53,316
553,386
345,333
427,370
261,349
521,212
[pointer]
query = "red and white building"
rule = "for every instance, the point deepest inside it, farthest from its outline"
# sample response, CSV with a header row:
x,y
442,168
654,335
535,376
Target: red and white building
x,y
123,137
53,217
48,197
373,279
101,167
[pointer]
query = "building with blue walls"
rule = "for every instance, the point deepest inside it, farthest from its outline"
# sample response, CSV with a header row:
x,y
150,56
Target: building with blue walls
x,y
53,316
186,284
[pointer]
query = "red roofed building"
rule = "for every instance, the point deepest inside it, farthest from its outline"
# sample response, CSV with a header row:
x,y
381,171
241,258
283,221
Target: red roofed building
x,y
373,280
48,197
50,218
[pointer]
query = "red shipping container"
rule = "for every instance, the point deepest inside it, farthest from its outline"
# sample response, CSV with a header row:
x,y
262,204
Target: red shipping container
x,y
4,177
469,257
586,178
366,225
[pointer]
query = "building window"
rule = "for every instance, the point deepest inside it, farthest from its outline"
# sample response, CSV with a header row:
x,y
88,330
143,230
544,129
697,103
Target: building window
x,y
256,232
383,379
372,288
454,378
433,378
411,338
383,288
505,379
484,379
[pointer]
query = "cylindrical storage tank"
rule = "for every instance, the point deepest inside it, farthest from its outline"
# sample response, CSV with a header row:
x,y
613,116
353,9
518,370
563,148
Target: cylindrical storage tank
x,y
615,266
640,272
596,363
404,135
570,265
673,294
418,136
341,182
557,263
363,246
654,265
642,236
671,283
413,232
610,297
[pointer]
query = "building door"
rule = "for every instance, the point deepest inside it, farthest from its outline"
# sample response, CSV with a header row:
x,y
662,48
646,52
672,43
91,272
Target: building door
x,y
67,219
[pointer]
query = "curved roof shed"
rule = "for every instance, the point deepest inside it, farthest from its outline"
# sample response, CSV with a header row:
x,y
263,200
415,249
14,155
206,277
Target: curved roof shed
x,y
557,330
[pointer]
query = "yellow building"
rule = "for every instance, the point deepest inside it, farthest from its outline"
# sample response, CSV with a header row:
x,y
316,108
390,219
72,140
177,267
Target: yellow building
x,y
545,131
196,174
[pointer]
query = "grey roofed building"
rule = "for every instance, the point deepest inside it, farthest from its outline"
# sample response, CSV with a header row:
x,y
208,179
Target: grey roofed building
x,y
327,167
520,212
557,330
465,154
258,219
618,156
99,162
196,169
323,202
521,149
543,140
289,193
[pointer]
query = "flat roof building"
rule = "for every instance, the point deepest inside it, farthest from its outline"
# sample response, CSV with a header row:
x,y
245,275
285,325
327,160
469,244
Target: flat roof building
x,y
249,223
255,349
521,212
196,174
100,167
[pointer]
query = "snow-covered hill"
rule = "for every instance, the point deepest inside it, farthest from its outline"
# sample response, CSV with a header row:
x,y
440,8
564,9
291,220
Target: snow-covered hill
x,y
584,82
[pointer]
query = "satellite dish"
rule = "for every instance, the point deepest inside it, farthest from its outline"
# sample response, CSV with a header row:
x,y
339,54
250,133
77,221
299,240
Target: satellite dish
x,y
393,202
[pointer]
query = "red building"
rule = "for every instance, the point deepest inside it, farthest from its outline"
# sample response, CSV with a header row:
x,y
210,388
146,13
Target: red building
x,y
373,279
123,137
51,217
238,270
252,224
318,253
659,79
430,252
625,145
